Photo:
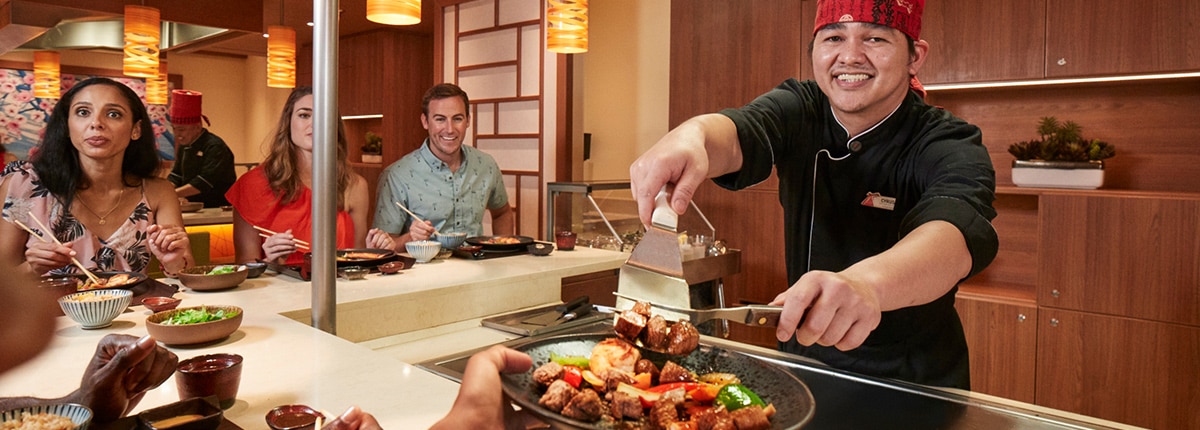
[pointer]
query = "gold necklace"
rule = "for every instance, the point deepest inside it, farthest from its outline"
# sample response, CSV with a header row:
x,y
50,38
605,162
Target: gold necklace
x,y
110,211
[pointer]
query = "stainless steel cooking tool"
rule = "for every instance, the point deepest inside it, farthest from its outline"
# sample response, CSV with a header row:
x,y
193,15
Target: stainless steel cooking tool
x,y
566,311
654,269
753,315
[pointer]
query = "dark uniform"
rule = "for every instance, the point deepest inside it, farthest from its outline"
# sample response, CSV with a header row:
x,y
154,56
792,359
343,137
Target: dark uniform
x,y
206,164
931,163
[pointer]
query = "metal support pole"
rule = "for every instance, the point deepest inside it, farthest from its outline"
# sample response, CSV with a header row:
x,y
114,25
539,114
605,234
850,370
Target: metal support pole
x,y
324,204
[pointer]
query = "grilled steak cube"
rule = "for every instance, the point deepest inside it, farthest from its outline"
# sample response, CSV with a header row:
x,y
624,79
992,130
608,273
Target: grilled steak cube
x,y
547,373
654,337
672,372
629,325
751,418
683,338
585,406
625,406
558,395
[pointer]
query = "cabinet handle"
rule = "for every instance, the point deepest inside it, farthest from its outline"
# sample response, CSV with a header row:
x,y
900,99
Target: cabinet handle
x,y
1020,317
1062,61
1054,293
1053,322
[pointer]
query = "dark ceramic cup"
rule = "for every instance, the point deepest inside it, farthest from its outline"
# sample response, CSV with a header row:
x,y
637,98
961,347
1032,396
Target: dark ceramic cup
x,y
207,375
294,417
60,286
565,240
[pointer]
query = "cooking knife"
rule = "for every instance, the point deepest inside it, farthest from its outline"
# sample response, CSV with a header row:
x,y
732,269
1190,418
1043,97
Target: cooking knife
x,y
559,312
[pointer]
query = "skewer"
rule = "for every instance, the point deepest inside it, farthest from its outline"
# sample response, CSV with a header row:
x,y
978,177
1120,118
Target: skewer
x,y
298,241
74,260
410,213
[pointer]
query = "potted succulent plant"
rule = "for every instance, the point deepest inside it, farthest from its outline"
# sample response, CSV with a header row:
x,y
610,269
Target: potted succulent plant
x,y
372,151
1060,158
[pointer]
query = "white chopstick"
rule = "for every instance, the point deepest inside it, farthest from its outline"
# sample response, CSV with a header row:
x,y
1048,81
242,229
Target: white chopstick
x,y
87,272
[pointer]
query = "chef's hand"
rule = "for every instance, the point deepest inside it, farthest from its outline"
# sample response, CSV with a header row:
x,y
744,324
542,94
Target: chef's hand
x,y
170,244
836,310
45,256
379,239
353,419
121,371
481,402
279,245
679,159
420,230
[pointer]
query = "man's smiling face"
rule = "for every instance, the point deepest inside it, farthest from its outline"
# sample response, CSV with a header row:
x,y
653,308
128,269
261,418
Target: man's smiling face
x,y
864,68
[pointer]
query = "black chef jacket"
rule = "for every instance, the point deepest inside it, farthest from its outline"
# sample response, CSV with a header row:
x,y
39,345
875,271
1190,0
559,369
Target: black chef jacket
x,y
206,164
931,163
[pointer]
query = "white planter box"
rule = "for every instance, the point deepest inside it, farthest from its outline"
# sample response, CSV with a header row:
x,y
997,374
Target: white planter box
x,y
372,158
1084,175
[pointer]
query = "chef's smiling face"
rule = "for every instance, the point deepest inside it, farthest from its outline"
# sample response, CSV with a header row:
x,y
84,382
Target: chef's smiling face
x,y
101,123
446,122
864,68
302,123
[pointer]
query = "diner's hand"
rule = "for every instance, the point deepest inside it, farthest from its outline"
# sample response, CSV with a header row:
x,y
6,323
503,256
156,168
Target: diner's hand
x,y
836,310
353,419
121,371
421,230
481,402
45,256
379,239
279,245
170,244
678,159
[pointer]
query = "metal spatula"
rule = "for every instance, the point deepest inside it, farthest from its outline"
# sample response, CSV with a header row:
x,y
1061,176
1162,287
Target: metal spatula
x,y
654,270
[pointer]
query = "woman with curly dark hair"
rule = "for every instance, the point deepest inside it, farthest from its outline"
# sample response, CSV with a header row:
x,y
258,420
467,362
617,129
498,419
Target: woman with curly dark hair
x,y
92,184
277,195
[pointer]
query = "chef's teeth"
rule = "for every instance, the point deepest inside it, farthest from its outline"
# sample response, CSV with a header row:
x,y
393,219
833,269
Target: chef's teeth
x,y
853,78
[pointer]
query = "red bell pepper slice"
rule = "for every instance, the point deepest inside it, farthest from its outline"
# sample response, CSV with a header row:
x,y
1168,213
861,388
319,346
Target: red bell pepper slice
x,y
573,375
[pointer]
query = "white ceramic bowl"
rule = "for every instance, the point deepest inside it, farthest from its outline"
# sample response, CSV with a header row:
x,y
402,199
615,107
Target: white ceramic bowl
x,y
100,308
79,415
450,240
423,250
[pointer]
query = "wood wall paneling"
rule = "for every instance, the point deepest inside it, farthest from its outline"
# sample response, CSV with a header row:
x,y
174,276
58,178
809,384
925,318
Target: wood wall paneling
x,y
1135,257
1015,266
1151,123
983,41
1107,37
1126,370
1002,344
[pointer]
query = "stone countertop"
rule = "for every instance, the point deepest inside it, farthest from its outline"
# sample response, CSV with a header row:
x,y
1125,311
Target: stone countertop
x,y
286,361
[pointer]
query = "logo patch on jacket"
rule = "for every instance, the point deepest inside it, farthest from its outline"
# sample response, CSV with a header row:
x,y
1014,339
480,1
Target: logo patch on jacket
x,y
878,201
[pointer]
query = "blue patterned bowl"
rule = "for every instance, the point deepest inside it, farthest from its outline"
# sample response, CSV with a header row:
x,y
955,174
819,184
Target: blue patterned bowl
x,y
96,308
450,240
79,415
423,250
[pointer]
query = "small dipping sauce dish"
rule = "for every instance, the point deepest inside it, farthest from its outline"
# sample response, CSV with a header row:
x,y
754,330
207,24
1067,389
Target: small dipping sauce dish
x,y
293,417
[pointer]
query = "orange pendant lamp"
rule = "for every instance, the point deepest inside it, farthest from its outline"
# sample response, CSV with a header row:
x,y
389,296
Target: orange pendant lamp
x,y
567,26
46,84
142,29
394,12
281,57
156,87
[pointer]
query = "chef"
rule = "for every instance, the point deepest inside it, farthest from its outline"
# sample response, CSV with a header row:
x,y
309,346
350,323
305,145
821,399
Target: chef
x,y
887,200
203,169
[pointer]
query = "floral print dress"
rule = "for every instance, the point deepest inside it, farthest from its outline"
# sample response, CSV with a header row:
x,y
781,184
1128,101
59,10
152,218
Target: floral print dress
x,y
126,250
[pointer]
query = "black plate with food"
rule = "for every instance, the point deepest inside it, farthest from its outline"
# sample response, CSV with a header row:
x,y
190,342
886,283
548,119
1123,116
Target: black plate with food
x,y
500,243
364,257
790,396
122,280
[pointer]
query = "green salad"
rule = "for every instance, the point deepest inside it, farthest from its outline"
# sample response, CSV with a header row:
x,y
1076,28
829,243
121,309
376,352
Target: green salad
x,y
221,270
197,316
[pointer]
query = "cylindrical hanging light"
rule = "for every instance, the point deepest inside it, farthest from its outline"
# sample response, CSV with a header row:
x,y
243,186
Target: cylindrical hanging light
x,y
281,57
142,28
394,12
567,26
156,87
46,82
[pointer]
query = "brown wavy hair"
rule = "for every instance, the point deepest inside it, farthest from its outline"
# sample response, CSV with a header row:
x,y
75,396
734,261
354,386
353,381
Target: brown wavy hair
x,y
280,164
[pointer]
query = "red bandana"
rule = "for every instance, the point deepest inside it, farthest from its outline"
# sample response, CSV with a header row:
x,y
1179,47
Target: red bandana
x,y
903,15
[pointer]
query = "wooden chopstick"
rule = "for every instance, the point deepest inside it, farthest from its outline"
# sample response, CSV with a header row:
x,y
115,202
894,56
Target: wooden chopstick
x,y
87,272
410,213
298,241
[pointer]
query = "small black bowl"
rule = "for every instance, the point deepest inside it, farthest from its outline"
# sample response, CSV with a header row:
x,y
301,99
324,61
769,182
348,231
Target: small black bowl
x,y
210,415
540,248
255,269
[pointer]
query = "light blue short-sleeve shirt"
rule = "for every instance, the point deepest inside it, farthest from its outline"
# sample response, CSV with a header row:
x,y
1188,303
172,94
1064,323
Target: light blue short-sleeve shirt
x,y
452,201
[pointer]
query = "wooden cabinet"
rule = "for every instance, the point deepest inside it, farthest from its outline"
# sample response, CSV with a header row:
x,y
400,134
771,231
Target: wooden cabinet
x,y
1002,340
598,286
983,41
1127,370
1111,37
